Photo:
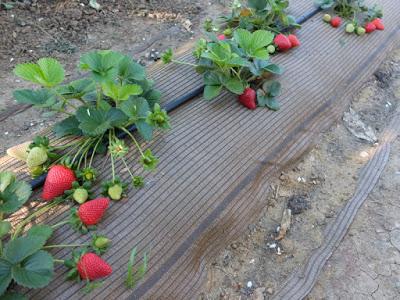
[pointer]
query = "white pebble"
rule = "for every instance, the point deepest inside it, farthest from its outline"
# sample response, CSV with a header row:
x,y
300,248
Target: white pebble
x,y
249,284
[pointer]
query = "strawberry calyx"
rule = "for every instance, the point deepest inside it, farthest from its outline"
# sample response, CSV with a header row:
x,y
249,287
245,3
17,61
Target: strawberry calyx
x,y
114,189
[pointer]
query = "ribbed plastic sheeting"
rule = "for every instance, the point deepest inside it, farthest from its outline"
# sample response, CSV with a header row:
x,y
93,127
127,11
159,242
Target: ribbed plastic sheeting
x,y
216,162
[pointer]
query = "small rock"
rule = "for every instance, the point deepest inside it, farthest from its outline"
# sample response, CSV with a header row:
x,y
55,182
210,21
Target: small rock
x,y
270,291
298,204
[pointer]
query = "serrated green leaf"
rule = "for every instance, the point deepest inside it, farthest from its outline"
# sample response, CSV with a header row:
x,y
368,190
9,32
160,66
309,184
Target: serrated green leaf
x,y
5,228
43,231
42,98
35,271
52,71
6,178
260,54
119,92
130,70
273,88
257,4
273,68
47,72
5,275
77,88
261,39
272,103
14,196
234,85
68,126
13,296
135,108
152,97
211,91
94,122
20,248
243,38
102,64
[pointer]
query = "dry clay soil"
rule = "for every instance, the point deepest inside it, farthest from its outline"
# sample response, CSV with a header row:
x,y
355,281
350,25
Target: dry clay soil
x,y
366,265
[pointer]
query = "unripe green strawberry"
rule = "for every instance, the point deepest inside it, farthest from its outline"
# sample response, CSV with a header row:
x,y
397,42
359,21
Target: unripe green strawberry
x,y
350,28
360,30
80,195
327,18
271,49
102,242
227,32
36,157
115,192
36,171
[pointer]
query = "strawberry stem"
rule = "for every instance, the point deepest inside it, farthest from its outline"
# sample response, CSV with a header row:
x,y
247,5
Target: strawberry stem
x,y
37,213
65,246
133,139
94,150
58,261
60,224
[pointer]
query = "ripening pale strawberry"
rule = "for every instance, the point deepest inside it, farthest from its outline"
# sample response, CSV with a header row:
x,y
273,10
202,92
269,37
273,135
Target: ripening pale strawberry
x,y
248,98
378,24
58,180
36,157
115,192
327,18
350,28
221,37
294,41
282,42
271,49
336,21
370,27
360,30
80,195
92,267
91,212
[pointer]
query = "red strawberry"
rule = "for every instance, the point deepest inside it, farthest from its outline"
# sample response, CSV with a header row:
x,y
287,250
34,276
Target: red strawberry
x,y
92,267
294,41
58,180
336,21
370,27
248,98
282,42
92,211
378,24
221,37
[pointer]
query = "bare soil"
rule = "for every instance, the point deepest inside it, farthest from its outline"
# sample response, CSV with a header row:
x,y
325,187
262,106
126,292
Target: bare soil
x,y
367,263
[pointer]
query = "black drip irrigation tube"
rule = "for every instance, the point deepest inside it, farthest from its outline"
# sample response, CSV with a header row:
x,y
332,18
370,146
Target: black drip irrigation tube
x,y
39,181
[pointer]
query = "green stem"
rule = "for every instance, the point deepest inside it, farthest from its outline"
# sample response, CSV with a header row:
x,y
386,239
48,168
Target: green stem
x,y
65,246
37,213
60,224
127,167
59,261
84,153
94,150
183,63
133,139
80,149
112,157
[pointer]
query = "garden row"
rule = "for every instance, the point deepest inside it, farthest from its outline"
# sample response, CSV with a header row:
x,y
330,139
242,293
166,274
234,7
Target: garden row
x,y
115,97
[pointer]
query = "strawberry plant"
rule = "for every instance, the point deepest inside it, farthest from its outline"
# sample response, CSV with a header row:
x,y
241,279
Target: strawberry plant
x,y
115,96
259,14
240,65
359,17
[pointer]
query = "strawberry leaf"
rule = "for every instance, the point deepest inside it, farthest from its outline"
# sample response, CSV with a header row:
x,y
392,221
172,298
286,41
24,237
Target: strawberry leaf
x,y
20,248
5,275
47,72
42,231
14,195
119,92
211,91
68,126
13,296
102,64
35,271
42,98
5,228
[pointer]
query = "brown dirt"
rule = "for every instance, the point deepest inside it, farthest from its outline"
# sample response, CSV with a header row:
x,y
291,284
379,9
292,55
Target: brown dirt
x,y
366,264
